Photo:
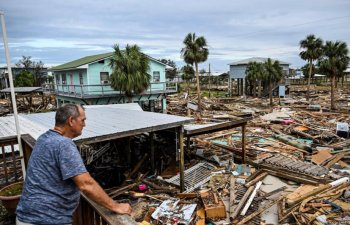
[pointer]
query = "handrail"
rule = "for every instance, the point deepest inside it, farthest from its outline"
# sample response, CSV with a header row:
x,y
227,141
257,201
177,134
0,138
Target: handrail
x,y
105,89
89,213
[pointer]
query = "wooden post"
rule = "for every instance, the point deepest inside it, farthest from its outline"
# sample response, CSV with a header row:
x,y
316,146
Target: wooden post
x,y
182,158
188,143
151,136
128,150
232,195
243,143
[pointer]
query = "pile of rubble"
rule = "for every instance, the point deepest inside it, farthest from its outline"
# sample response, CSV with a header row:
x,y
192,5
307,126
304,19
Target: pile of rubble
x,y
296,170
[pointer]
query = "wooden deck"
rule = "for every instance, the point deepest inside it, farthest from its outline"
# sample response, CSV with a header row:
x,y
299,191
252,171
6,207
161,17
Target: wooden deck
x,y
105,90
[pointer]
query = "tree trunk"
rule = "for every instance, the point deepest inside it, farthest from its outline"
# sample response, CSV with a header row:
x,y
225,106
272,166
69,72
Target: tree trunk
x,y
188,97
198,89
333,107
336,82
259,89
254,87
308,81
270,93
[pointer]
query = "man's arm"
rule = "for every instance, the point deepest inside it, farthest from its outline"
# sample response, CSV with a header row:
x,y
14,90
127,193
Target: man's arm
x,y
94,191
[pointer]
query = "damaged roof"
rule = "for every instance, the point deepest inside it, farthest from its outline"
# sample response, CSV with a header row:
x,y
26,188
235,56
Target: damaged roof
x,y
103,123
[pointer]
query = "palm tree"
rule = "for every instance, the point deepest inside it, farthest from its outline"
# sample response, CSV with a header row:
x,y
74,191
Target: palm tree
x,y
313,51
252,74
129,70
333,63
274,74
187,75
194,52
261,74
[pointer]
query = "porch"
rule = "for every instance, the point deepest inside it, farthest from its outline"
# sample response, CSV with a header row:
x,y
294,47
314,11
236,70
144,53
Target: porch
x,y
105,90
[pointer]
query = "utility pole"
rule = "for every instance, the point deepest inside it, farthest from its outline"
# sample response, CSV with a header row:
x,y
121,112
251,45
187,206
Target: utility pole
x,y
209,82
14,105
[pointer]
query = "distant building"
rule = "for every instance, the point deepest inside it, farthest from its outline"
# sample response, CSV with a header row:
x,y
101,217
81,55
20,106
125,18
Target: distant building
x,y
87,81
238,69
4,76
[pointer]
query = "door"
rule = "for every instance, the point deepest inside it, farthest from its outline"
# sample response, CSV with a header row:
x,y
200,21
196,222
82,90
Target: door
x,y
72,89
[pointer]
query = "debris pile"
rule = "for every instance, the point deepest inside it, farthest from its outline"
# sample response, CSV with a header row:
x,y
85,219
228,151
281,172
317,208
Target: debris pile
x,y
296,170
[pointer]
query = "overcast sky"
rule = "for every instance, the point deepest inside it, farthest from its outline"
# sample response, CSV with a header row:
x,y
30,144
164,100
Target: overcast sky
x,y
57,31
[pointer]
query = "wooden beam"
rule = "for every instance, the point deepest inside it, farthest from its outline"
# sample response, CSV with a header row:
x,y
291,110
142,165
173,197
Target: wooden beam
x,y
151,137
243,142
232,195
182,158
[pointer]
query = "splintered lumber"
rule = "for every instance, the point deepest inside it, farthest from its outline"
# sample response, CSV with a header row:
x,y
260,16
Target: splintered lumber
x,y
142,195
200,216
256,179
157,187
242,202
251,198
321,156
221,134
259,211
138,166
272,193
317,190
121,190
334,160
232,195
187,195
295,177
291,141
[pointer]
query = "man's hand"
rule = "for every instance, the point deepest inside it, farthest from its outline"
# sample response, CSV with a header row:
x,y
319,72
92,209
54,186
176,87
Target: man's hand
x,y
122,208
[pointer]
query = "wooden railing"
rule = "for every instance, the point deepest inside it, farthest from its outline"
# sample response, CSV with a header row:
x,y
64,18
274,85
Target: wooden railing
x,y
87,213
10,160
90,90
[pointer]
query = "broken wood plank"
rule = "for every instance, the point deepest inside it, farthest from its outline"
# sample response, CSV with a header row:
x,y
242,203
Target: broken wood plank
x,y
242,202
255,180
232,195
259,211
251,198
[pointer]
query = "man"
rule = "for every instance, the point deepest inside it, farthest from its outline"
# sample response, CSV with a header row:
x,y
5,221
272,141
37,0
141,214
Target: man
x,y
56,173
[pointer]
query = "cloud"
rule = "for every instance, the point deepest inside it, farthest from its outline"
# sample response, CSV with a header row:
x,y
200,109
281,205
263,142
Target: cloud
x,y
57,32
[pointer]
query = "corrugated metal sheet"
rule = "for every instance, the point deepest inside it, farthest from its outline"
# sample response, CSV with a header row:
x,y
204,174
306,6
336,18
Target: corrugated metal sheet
x,y
101,121
21,89
131,106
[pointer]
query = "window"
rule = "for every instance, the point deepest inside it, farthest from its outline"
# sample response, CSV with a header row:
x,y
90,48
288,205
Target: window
x,y
104,77
64,78
57,79
81,78
156,76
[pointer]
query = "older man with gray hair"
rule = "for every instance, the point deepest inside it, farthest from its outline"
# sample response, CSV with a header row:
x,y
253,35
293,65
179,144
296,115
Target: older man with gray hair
x,y
56,173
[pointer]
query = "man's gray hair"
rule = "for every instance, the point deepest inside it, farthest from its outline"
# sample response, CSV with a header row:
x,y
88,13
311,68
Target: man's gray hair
x,y
66,111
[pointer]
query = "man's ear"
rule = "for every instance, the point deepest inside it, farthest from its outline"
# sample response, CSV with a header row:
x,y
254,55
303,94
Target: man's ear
x,y
70,121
